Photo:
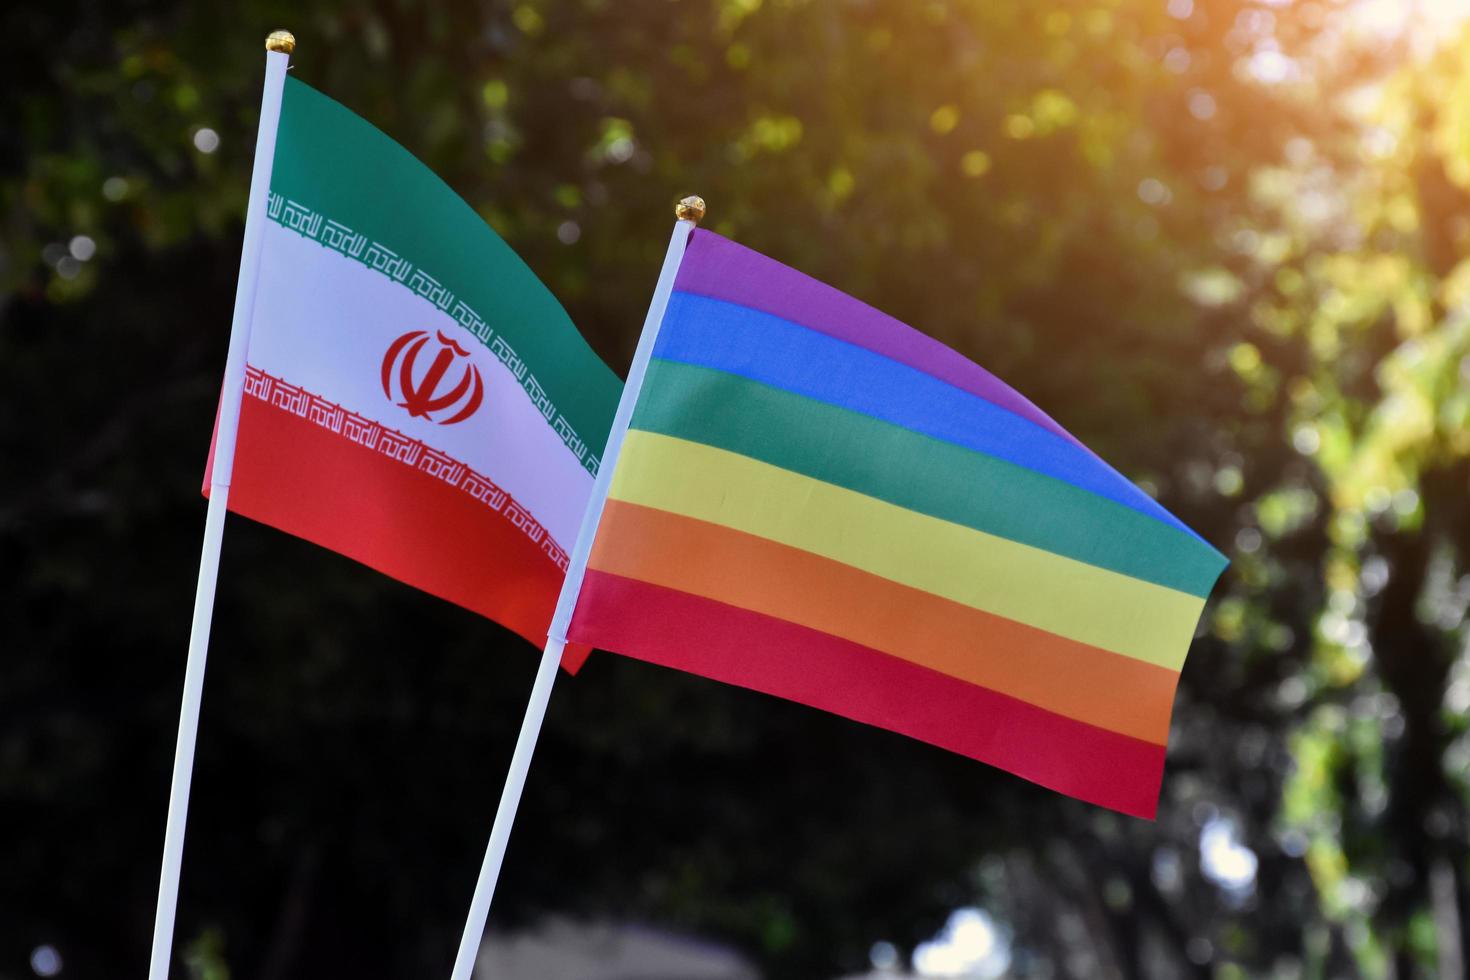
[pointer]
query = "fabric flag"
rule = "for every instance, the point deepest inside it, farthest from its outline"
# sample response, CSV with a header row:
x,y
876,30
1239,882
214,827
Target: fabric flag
x,y
415,398
819,502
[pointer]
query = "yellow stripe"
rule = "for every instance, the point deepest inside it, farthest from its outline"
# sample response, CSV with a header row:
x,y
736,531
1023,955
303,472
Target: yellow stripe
x,y
1048,591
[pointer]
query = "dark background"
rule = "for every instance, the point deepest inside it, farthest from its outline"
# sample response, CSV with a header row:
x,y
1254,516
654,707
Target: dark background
x,y
1219,241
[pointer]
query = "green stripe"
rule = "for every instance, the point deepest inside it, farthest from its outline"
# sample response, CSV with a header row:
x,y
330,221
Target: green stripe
x,y
919,473
340,166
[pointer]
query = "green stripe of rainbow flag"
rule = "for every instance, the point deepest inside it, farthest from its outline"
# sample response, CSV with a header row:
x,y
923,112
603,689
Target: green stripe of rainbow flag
x,y
816,501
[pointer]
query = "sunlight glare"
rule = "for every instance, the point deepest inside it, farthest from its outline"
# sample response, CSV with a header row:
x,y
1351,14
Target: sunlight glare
x,y
1224,859
970,946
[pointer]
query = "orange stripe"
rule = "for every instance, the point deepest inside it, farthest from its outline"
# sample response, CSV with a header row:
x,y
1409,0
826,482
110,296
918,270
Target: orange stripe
x,y
1105,689
762,653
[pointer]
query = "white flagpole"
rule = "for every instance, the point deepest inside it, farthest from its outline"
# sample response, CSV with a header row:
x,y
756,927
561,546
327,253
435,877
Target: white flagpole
x,y
278,46
689,212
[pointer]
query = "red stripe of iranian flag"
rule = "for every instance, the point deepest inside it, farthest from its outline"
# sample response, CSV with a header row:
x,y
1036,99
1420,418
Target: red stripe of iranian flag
x,y
415,398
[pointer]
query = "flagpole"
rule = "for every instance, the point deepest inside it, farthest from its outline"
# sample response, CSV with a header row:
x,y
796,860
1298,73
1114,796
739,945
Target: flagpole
x,y
689,211
278,46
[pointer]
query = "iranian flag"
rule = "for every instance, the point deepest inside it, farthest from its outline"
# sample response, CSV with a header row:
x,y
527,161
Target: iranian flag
x,y
415,398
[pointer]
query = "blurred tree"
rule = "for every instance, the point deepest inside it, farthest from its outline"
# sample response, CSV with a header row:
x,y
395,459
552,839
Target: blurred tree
x,y
1220,240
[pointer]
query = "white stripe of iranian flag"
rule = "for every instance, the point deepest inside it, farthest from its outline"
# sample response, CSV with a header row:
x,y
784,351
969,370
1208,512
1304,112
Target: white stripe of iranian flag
x,y
325,322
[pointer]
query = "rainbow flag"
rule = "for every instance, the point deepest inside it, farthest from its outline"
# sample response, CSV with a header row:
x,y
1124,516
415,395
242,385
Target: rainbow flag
x,y
819,502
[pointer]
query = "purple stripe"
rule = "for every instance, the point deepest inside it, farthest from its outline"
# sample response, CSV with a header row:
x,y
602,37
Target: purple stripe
x,y
721,269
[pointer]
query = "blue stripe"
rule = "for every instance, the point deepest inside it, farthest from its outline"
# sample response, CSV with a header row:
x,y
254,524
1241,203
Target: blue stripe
x,y
728,337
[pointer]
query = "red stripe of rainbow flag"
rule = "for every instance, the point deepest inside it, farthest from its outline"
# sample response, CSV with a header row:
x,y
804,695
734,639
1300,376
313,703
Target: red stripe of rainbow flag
x,y
819,502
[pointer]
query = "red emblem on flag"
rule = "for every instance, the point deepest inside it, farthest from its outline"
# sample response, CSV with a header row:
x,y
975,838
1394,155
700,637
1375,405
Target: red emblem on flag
x,y
421,393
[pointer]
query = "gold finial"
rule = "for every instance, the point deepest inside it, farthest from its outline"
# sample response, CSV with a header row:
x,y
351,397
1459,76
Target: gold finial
x,y
690,209
282,41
